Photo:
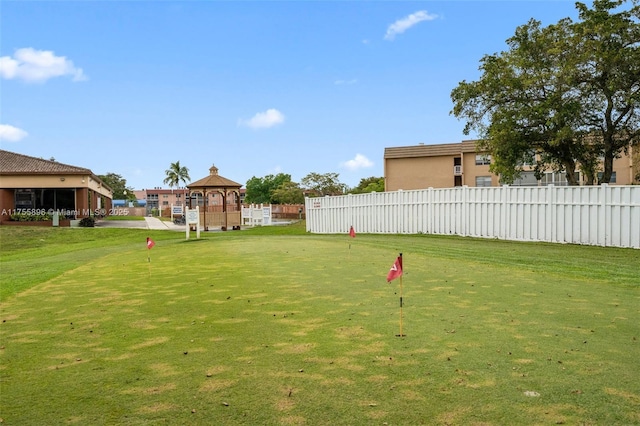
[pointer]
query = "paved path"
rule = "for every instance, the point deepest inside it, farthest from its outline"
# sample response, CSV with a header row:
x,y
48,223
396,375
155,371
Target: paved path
x,y
147,223
155,223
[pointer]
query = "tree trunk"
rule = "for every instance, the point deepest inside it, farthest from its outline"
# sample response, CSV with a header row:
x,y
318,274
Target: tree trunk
x,y
608,168
570,173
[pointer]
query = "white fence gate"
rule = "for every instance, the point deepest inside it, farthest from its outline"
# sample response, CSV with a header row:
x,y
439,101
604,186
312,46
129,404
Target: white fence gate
x,y
595,215
256,215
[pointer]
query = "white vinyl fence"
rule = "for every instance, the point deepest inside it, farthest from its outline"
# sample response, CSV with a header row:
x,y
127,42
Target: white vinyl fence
x,y
594,215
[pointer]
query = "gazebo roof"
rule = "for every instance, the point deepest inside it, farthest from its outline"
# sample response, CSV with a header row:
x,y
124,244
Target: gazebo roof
x,y
214,180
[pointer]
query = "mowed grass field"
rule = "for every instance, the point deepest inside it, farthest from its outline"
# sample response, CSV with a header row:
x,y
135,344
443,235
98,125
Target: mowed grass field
x,y
274,326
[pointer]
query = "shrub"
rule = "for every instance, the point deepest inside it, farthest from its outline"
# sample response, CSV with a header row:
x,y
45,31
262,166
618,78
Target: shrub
x,y
87,222
30,217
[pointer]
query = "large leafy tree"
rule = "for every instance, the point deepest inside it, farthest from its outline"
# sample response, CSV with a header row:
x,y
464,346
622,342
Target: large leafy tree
x,y
544,101
318,184
288,193
608,74
260,190
176,174
118,185
370,184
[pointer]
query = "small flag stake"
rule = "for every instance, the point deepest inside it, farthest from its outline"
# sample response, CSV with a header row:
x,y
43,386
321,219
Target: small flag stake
x,y
150,244
396,272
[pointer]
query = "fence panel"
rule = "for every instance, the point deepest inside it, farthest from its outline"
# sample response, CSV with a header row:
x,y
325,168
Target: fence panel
x,y
594,215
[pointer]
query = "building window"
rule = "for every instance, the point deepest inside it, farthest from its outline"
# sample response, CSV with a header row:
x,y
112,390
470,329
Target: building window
x,y
165,196
557,178
483,160
483,181
526,179
613,177
165,203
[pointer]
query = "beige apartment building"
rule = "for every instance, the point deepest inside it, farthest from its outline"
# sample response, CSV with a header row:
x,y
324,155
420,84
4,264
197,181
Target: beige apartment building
x,y
457,164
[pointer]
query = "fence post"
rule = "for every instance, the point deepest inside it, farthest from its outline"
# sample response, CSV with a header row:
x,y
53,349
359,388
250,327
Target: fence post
x,y
465,211
605,217
505,215
550,218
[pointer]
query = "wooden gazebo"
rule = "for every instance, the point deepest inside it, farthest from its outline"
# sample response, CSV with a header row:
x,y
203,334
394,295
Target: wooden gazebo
x,y
212,215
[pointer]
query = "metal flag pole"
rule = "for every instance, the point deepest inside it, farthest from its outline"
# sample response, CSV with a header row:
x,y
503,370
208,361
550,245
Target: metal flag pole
x,y
401,266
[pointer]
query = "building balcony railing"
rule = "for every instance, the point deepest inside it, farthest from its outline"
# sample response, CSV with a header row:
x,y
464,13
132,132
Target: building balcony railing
x,y
457,170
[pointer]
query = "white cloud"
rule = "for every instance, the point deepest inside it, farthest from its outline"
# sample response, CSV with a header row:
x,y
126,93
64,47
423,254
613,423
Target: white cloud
x,y
33,65
359,162
11,134
263,120
345,82
402,25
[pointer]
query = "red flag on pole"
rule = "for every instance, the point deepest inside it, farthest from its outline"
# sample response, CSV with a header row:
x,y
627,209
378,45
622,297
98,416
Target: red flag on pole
x,y
150,243
395,271
352,232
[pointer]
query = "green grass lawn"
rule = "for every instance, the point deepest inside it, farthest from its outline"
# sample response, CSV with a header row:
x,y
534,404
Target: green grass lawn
x,y
275,326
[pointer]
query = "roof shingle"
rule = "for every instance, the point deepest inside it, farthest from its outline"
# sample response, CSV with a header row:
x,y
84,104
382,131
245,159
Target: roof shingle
x,y
12,163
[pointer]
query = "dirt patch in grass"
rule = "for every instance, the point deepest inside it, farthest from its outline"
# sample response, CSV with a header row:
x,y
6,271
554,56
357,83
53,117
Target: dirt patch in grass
x,y
217,369
287,348
553,413
215,385
631,397
163,369
293,420
160,407
143,324
377,414
152,390
150,342
453,417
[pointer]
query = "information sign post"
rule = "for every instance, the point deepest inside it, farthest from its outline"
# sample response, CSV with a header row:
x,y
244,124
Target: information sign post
x,y
192,218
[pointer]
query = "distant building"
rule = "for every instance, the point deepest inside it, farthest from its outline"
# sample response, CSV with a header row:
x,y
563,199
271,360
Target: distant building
x,y
457,164
30,184
162,198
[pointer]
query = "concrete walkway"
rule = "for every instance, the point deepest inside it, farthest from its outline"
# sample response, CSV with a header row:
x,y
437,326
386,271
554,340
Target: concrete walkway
x,y
157,224
147,223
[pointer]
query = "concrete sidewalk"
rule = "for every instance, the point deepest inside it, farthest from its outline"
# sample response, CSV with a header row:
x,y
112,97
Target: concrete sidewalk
x,y
157,224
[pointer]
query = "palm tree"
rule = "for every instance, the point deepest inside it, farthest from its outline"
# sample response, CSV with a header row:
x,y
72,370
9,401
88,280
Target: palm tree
x,y
176,174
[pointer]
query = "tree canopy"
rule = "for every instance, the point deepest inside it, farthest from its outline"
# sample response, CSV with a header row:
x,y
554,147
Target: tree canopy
x,y
260,190
370,184
176,174
288,193
118,185
319,185
561,97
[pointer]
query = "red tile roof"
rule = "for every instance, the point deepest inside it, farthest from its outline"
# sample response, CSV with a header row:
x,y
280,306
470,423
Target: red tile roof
x,y
12,163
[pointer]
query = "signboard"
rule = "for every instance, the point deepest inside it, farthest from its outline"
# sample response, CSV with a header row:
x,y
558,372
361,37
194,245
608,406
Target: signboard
x,y
176,209
193,218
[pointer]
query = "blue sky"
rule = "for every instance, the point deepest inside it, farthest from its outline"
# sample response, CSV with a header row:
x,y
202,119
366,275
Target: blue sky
x,y
254,87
